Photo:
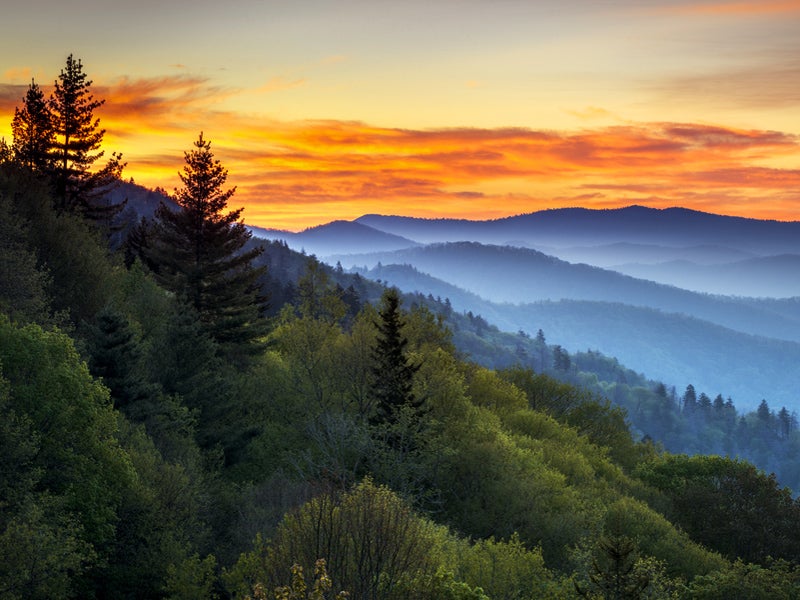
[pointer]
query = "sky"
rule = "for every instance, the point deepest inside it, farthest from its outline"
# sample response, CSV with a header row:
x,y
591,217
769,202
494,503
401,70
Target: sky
x,y
324,110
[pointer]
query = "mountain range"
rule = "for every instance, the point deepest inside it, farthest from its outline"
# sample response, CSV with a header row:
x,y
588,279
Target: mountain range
x,y
632,283
680,295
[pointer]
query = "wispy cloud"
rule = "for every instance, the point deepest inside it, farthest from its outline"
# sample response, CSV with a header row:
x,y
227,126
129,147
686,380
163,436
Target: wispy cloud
x,y
296,174
775,83
765,7
277,84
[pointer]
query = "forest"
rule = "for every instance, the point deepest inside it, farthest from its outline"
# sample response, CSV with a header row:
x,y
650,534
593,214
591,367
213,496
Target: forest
x,y
189,413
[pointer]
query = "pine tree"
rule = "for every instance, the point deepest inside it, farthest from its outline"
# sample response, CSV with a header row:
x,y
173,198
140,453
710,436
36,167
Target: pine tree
x,y
391,369
77,140
199,253
614,574
32,128
115,355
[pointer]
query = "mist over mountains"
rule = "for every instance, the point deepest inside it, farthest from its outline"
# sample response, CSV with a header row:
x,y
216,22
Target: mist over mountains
x,y
680,295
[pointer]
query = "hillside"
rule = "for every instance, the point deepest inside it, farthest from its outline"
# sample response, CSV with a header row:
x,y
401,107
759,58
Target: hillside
x,y
336,237
517,275
767,276
673,348
675,227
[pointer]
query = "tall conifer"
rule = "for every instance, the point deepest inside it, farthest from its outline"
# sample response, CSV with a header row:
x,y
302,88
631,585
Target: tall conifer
x,y
199,253
392,371
76,148
32,128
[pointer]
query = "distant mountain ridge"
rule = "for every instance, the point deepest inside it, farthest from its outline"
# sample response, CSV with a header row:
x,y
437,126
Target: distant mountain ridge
x,y
336,237
563,227
671,347
522,276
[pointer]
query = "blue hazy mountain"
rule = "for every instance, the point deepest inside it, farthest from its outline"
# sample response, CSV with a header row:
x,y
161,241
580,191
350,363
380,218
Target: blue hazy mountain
x,y
772,276
336,237
676,227
518,275
671,347
620,253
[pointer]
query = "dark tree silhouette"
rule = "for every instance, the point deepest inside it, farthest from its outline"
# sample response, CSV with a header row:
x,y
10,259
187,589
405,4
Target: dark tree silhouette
x,y
199,253
77,147
32,128
391,369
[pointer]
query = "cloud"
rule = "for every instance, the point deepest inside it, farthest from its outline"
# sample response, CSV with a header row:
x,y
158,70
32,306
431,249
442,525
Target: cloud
x,y
296,174
765,7
19,73
591,112
774,83
277,84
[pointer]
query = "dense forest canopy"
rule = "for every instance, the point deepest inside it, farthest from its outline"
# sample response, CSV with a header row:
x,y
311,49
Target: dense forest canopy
x,y
188,413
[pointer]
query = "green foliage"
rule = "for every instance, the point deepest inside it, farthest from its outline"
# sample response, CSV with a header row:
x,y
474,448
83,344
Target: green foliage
x,y
728,505
741,581
296,590
318,299
81,277
193,579
486,388
23,284
371,540
41,552
506,570
658,538
78,475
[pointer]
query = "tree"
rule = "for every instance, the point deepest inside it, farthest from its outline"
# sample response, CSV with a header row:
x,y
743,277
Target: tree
x,y
23,285
116,357
392,388
728,505
371,539
32,128
614,574
199,253
689,400
78,138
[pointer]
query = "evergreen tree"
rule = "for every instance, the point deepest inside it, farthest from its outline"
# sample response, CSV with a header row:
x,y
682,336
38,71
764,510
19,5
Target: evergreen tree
x,y
32,128
199,253
115,355
689,400
77,140
614,574
391,369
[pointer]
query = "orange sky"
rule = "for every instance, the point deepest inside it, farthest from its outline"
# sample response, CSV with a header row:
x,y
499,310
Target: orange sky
x,y
476,113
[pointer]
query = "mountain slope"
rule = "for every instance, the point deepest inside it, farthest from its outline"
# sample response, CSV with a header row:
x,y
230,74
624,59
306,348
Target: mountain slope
x,y
673,348
517,275
772,276
578,226
337,237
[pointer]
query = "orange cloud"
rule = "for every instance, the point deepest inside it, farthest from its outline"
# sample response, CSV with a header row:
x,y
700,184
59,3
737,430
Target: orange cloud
x,y
19,73
735,8
298,174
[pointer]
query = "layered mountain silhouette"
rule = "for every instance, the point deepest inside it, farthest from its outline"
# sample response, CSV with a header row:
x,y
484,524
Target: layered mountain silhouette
x,y
672,347
543,271
560,228
337,237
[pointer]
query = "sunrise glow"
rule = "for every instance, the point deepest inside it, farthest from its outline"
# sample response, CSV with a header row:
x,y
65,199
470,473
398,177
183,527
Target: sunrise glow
x,y
490,112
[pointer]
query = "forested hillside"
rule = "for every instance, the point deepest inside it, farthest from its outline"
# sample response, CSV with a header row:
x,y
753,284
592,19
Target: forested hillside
x,y
185,414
